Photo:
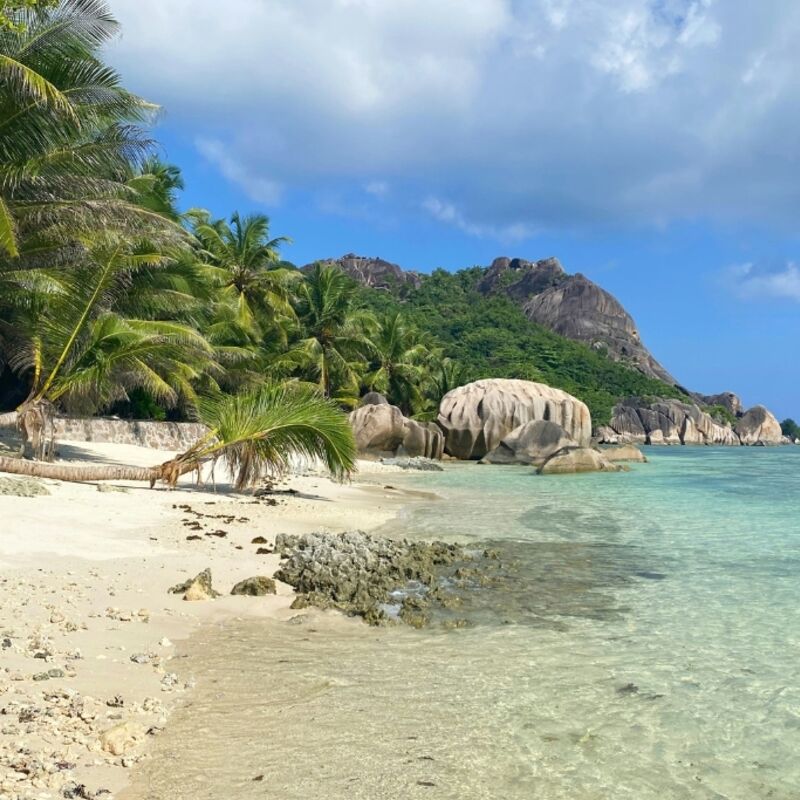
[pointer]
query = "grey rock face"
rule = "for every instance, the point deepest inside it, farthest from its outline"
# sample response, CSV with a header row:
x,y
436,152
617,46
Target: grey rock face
x,y
475,418
532,443
424,440
373,272
572,306
419,463
668,421
759,426
579,309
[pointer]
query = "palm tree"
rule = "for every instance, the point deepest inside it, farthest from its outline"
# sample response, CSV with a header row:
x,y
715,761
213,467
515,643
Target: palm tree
x,y
68,136
255,435
399,362
333,352
242,261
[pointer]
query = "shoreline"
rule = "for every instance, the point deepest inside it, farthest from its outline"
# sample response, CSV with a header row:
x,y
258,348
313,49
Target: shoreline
x,y
90,670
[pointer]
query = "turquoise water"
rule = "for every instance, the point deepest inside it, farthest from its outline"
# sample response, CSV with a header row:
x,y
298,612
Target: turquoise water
x,y
647,646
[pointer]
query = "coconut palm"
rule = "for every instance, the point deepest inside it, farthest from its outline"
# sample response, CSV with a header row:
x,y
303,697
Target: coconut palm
x,y
69,136
255,434
399,361
335,344
243,263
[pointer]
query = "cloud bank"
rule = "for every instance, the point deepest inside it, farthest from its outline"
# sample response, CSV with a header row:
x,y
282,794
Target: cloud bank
x,y
495,117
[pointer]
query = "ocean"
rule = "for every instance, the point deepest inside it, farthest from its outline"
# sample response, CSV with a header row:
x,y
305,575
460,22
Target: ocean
x,y
645,643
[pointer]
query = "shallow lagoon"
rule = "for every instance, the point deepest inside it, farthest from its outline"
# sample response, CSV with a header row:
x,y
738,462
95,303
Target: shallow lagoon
x,y
646,645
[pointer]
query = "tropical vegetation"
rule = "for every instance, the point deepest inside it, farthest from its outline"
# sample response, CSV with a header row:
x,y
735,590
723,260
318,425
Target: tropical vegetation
x,y
114,299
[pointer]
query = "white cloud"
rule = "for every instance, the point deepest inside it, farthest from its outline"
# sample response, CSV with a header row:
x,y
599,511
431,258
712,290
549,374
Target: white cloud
x,y
449,214
257,188
565,114
753,282
377,188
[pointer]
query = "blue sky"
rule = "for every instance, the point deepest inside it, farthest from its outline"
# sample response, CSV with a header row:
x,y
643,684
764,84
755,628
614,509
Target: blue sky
x,y
650,144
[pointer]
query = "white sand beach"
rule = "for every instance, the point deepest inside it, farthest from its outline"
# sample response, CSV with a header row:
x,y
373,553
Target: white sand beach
x,y
87,626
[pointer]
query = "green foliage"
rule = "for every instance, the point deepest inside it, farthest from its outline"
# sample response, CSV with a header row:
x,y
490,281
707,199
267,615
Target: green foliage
x,y
14,13
491,337
720,414
790,428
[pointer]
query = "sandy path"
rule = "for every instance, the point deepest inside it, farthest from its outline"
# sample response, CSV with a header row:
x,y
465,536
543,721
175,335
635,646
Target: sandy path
x,y
87,628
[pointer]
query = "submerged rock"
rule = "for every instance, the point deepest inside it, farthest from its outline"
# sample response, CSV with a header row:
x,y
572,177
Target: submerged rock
x,y
418,463
624,453
360,574
575,460
255,587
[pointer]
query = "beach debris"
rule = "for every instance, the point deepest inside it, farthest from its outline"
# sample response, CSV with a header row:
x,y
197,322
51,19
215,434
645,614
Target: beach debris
x,y
255,587
141,658
122,738
259,540
197,588
22,487
263,551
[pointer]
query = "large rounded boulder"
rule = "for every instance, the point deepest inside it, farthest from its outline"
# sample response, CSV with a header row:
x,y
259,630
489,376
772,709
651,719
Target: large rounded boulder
x,y
759,426
531,443
378,429
475,418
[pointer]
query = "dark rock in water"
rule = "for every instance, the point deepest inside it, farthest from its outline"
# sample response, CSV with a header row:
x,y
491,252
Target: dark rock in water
x,y
358,574
651,576
255,587
628,689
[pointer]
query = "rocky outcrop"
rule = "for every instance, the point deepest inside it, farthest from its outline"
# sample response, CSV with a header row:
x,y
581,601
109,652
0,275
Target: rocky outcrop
x,y
728,400
668,421
575,307
421,439
625,452
475,418
373,272
531,443
381,431
378,429
576,460
759,426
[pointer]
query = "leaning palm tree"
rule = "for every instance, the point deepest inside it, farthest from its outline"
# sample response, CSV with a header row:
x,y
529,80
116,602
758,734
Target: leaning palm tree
x,y
335,343
256,435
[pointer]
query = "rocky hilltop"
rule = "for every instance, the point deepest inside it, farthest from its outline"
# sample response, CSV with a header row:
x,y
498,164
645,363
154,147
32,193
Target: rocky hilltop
x,y
372,272
574,307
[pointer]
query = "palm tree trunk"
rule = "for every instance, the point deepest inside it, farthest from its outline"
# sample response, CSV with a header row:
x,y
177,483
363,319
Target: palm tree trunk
x,y
76,473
